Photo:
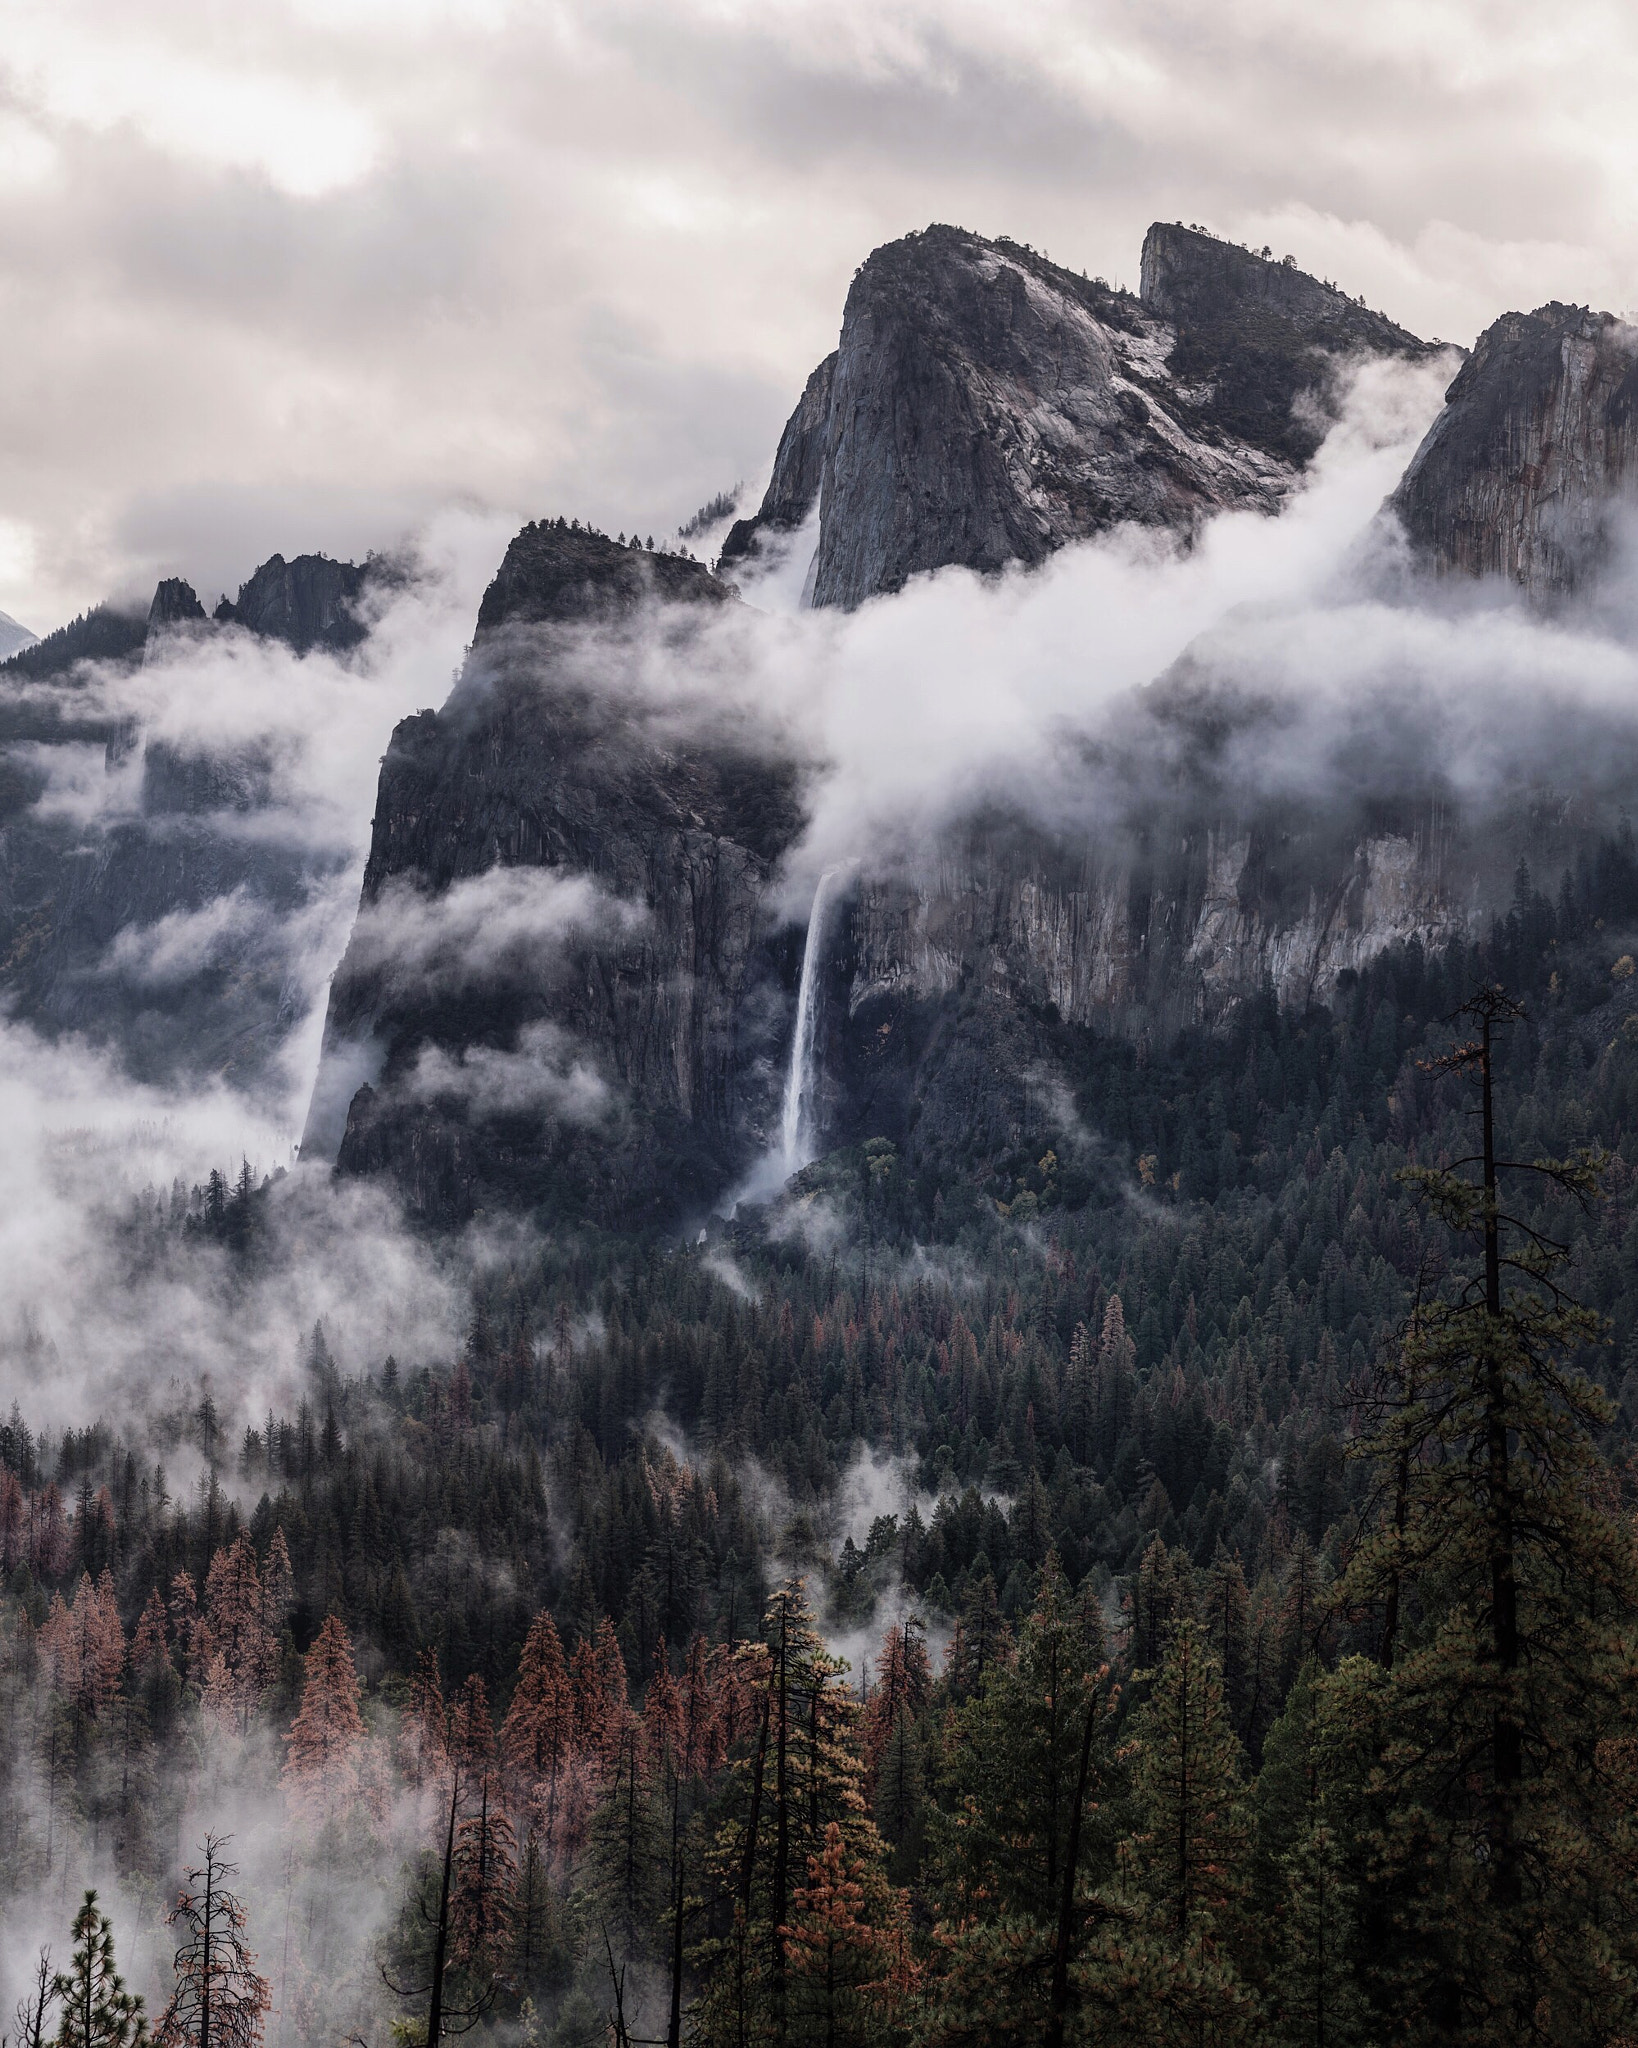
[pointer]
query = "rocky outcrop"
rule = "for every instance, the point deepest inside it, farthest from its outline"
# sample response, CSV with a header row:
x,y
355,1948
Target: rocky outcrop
x,y
310,602
176,603
798,471
560,991
555,576
985,406
1522,473
1257,344
988,406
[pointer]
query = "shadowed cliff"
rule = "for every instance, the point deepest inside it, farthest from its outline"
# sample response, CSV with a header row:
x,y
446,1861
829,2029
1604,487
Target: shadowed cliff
x,y
581,885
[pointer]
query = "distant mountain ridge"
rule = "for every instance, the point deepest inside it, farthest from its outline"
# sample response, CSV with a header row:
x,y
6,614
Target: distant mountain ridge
x,y
75,903
14,636
308,602
984,408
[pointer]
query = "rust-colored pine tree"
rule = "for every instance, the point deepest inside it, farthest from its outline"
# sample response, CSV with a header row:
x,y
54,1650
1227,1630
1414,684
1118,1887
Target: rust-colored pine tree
x,y
483,1911
904,1681
58,1649
104,1641
602,1695
150,1645
846,1957
183,1605
483,1904
84,1648
278,1585
702,1742
448,1754
537,1735
13,1521
234,1648
423,1736
326,1739
49,1534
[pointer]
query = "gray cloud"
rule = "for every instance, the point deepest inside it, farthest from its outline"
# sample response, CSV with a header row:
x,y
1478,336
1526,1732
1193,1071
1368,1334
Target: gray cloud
x,y
506,923
542,1071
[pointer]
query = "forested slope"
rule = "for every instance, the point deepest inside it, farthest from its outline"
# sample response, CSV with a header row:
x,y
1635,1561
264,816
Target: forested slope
x,y
1133,1480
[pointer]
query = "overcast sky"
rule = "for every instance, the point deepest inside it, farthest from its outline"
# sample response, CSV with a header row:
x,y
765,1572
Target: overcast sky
x,y
295,275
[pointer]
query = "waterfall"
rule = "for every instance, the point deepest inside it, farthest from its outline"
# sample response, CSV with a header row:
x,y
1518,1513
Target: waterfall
x,y
797,1134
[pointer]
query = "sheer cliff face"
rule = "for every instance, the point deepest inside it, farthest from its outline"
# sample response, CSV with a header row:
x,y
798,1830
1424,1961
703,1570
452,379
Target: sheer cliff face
x,y
1100,936
798,471
947,995
559,989
1537,444
985,406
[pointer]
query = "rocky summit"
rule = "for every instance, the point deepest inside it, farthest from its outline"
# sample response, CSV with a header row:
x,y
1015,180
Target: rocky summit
x,y
1524,474
985,406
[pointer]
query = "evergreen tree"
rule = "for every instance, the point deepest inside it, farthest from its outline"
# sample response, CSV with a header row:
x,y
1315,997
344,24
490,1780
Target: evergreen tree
x,y
847,1941
1227,1616
484,1900
627,1859
802,1771
1020,1843
980,1640
1507,1714
98,2011
1189,1789
1158,1600
900,1803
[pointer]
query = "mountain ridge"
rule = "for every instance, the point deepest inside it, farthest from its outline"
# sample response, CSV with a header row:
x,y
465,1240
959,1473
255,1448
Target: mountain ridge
x,y
985,406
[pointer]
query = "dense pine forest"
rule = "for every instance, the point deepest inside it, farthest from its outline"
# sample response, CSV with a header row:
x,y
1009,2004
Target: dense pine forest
x,y
1175,1584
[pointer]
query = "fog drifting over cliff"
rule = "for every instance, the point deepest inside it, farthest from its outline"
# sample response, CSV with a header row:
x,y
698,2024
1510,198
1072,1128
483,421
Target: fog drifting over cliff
x,y
1035,690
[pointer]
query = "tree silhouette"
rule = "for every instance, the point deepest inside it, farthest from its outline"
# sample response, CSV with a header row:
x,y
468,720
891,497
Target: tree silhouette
x,y
219,2000
32,2008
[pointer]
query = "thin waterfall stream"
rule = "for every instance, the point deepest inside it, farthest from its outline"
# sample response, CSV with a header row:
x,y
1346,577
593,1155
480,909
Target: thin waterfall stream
x,y
797,1127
